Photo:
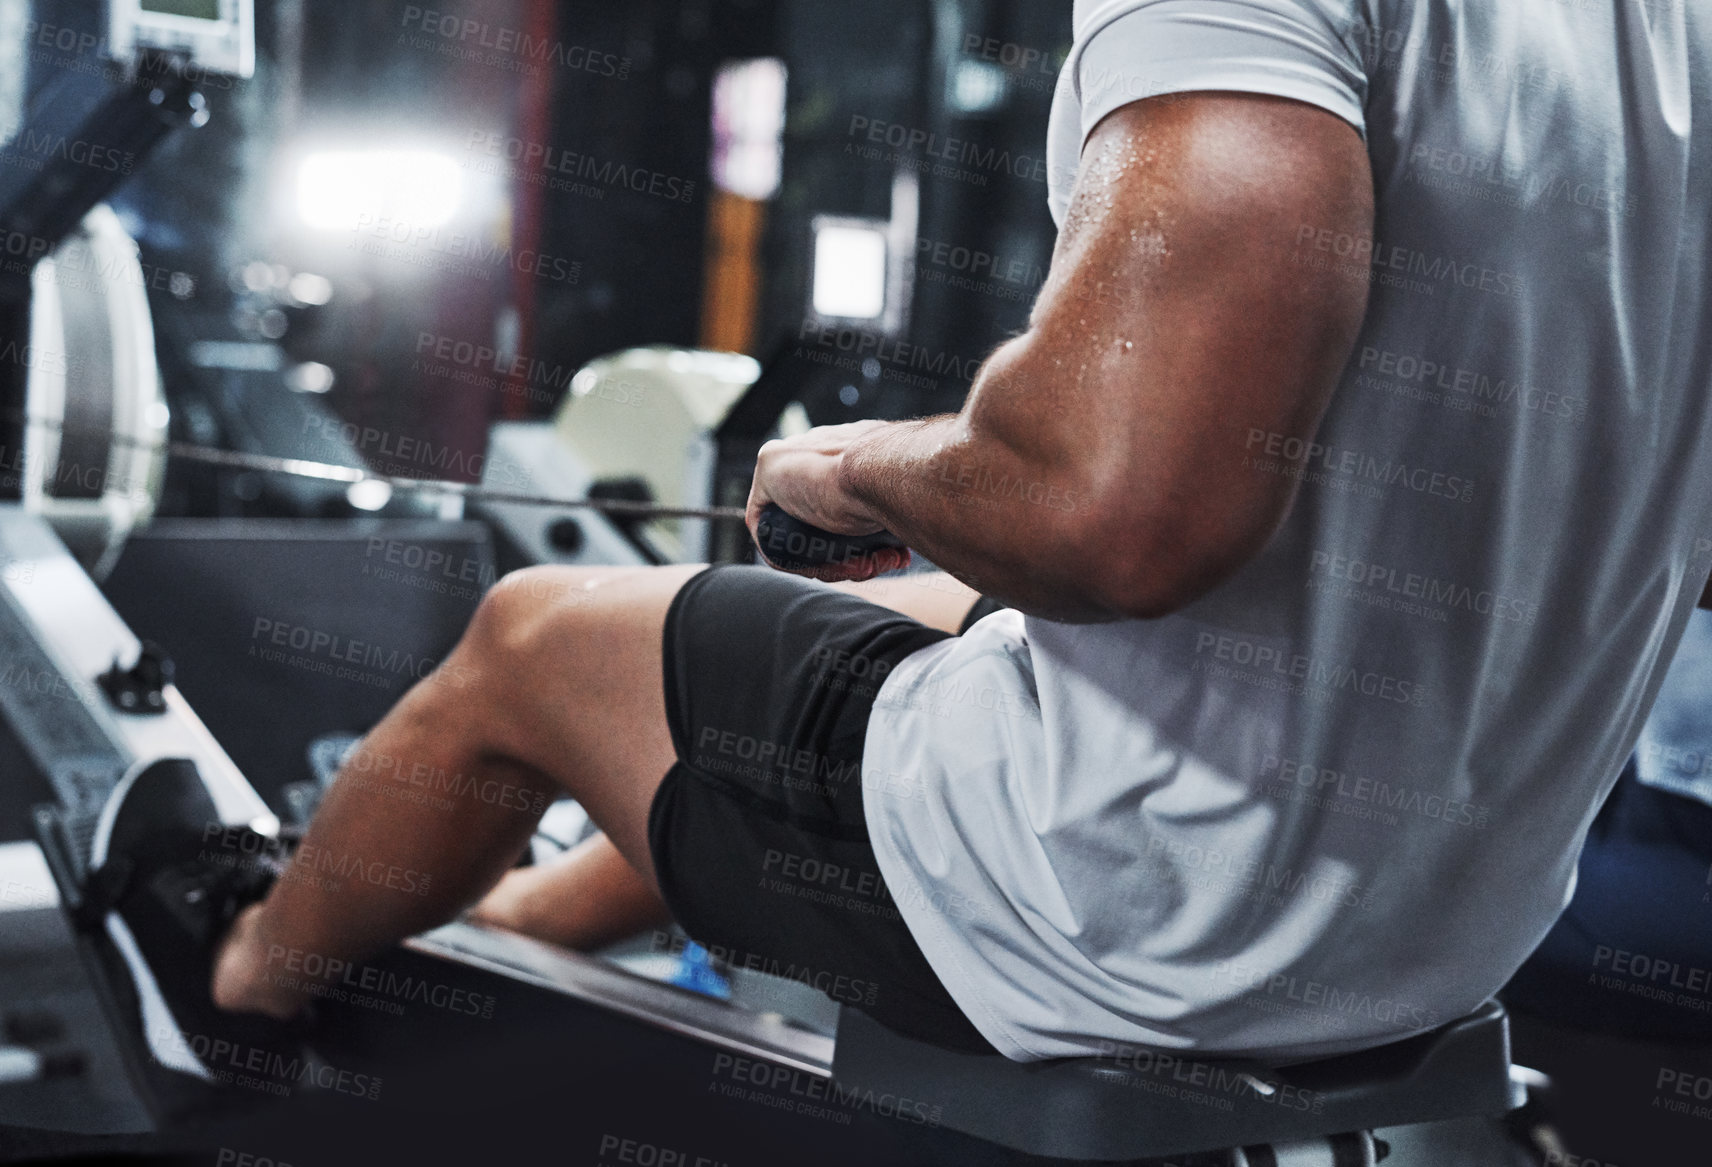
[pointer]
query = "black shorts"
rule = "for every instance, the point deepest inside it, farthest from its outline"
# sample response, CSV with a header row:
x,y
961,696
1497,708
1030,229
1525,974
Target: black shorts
x,y
757,833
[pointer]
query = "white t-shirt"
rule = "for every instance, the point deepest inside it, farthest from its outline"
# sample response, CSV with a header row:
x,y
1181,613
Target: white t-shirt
x,y
1341,798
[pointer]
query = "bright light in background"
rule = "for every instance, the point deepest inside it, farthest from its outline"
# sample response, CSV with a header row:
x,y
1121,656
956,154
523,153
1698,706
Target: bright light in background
x,y
338,190
310,290
849,272
977,87
368,495
310,377
749,127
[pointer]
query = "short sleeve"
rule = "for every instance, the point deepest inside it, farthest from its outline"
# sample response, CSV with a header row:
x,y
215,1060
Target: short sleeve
x,y
1128,50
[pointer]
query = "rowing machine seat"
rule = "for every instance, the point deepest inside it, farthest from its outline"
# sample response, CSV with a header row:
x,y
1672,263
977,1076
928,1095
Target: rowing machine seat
x,y
1139,1103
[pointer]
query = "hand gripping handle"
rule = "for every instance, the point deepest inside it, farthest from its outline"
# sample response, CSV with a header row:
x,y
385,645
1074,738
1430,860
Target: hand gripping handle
x,y
789,543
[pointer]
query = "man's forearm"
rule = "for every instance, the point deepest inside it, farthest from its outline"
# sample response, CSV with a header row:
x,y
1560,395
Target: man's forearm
x,y
991,515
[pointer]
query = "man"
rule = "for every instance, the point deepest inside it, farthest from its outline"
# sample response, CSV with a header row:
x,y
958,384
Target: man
x,y
1344,498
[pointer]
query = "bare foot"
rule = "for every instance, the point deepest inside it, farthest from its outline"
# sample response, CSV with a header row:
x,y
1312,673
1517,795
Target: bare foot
x,y
584,899
507,905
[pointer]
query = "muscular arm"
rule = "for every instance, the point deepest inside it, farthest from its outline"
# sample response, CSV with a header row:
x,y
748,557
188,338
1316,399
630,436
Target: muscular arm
x,y
1097,469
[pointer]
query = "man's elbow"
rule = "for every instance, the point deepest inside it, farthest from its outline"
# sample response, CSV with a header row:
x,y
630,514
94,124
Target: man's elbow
x,y
1146,587
1150,566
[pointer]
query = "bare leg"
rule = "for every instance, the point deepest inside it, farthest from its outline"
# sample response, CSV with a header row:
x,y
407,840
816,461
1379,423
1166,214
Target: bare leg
x,y
556,686
589,896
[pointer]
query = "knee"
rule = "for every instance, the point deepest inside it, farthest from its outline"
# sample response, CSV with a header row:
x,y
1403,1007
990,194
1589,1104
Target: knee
x,y
524,612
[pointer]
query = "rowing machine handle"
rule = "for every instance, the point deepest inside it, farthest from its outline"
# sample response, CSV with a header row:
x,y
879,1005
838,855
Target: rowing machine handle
x,y
789,543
